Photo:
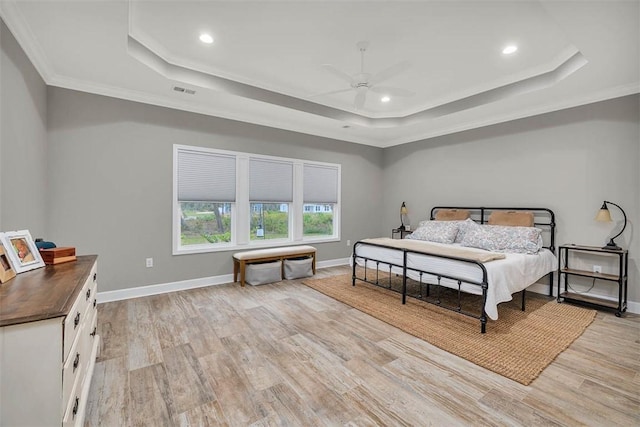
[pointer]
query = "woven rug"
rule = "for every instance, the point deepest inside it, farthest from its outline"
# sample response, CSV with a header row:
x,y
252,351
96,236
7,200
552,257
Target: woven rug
x,y
519,345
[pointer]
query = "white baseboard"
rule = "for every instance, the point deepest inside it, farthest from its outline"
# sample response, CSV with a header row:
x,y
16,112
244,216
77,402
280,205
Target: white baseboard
x,y
143,291
332,263
162,288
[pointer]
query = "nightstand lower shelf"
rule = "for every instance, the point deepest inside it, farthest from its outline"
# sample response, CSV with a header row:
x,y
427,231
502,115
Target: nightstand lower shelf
x,y
593,301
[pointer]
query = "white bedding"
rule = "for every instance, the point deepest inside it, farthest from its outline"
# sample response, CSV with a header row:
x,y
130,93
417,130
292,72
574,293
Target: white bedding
x,y
505,276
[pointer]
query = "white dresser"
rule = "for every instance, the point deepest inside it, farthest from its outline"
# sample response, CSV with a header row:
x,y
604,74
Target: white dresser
x,y
48,344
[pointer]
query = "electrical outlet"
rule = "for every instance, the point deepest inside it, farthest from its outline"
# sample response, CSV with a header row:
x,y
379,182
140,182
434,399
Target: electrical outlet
x,y
597,269
149,262
348,242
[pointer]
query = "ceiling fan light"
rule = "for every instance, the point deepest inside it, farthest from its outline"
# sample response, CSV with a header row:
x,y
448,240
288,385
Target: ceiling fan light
x,y
385,99
508,50
206,38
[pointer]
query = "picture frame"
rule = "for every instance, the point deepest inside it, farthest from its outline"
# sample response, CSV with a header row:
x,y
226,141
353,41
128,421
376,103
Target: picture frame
x,y
21,250
6,270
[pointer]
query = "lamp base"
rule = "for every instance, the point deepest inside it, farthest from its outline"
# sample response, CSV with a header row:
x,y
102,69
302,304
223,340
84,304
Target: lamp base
x,y
611,246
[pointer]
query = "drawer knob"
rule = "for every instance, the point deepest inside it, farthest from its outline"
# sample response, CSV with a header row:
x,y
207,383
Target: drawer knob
x,y
95,276
95,301
95,329
88,294
76,406
76,362
76,321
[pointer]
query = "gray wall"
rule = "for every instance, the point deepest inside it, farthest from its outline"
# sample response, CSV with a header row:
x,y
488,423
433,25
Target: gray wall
x,y
569,161
110,183
23,140
109,167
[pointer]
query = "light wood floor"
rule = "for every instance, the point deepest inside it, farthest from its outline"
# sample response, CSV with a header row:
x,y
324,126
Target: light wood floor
x,y
287,355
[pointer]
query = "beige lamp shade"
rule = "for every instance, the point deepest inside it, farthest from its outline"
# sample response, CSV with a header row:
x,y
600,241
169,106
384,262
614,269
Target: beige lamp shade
x,y
403,210
603,215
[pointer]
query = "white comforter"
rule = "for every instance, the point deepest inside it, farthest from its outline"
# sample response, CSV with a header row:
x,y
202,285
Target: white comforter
x,y
505,276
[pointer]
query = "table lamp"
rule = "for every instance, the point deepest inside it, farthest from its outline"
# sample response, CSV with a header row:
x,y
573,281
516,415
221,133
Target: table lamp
x,y
403,216
605,216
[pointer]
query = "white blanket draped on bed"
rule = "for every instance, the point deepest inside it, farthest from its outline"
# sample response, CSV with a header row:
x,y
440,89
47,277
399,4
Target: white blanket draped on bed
x,y
505,276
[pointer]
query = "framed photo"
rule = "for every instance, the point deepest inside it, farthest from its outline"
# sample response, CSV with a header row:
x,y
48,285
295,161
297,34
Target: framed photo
x,y
6,271
21,250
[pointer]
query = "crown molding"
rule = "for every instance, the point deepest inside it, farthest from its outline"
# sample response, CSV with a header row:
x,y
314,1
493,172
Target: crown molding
x,y
21,31
611,93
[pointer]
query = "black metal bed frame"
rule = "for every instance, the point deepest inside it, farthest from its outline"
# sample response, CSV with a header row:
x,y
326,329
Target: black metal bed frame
x,y
478,214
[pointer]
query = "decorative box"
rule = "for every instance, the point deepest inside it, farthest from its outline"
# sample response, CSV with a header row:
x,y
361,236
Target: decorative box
x,y
58,255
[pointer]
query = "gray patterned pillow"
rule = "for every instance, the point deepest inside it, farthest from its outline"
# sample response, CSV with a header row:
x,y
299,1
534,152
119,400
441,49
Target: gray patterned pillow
x,y
499,238
436,231
464,227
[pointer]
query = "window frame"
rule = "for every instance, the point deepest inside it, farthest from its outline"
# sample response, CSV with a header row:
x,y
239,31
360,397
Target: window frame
x,y
240,209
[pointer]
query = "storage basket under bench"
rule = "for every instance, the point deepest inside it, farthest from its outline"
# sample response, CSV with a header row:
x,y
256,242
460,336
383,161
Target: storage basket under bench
x,y
271,265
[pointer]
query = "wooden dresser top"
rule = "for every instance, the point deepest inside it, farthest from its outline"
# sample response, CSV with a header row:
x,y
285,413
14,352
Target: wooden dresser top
x,y
43,293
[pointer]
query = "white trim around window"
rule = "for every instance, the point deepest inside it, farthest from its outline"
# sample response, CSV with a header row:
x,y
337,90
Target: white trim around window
x,y
234,213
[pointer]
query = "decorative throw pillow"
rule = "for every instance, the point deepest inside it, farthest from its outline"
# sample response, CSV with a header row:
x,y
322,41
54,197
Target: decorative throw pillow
x,y
463,227
509,239
511,218
452,214
436,231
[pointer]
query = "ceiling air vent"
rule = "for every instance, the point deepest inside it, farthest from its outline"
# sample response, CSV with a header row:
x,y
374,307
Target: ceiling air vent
x,y
183,90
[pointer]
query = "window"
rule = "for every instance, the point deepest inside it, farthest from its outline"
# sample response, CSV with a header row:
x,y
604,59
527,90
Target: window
x,y
202,223
270,193
269,221
320,196
206,191
226,200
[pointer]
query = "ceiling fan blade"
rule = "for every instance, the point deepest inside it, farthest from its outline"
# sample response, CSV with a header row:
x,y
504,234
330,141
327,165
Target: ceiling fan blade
x,y
393,91
390,72
333,92
361,97
338,73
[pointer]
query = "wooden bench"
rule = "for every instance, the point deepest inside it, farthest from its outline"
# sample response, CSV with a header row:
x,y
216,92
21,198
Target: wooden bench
x,y
241,259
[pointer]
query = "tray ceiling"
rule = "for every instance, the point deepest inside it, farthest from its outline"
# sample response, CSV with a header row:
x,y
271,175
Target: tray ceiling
x,y
298,65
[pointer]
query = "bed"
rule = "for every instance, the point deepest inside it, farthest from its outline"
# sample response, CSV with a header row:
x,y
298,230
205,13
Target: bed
x,y
493,252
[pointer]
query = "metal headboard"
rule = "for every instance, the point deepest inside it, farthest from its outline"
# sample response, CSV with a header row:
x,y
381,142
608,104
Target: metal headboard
x,y
543,218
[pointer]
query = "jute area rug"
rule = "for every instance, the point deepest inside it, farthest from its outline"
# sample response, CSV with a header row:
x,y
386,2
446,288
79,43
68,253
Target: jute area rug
x,y
519,345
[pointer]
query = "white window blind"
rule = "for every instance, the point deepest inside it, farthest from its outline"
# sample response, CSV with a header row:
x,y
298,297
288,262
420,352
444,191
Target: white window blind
x,y
320,184
270,181
206,177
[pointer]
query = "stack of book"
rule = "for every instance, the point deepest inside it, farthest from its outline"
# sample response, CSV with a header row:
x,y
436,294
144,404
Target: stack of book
x,y
58,255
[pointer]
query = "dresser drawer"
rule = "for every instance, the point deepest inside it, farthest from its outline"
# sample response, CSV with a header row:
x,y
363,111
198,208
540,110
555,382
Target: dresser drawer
x,y
73,321
81,349
72,413
89,333
72,369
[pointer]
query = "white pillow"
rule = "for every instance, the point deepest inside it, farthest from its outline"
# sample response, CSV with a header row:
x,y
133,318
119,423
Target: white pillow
x,y
499,238
436,231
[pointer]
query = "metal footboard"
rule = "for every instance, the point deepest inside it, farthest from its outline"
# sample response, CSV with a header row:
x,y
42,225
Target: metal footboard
x,y
403,270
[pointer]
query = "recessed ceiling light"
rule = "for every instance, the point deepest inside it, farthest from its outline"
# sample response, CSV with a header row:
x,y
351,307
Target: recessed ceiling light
x,y
206,38
508,50
385,99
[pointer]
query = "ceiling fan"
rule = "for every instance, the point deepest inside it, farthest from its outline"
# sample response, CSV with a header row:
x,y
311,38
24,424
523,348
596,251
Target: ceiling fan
x,y
363,82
